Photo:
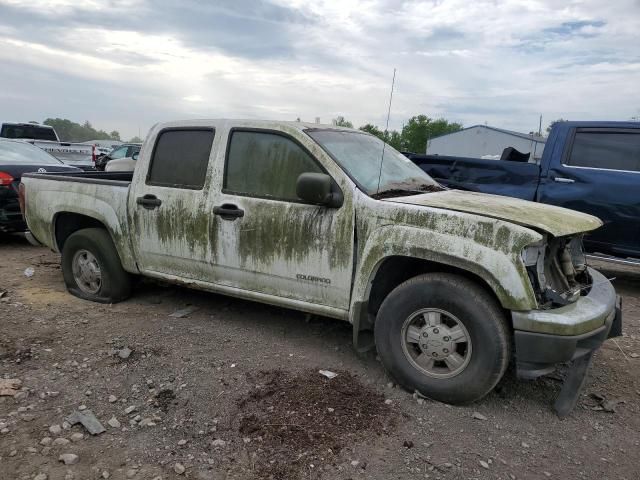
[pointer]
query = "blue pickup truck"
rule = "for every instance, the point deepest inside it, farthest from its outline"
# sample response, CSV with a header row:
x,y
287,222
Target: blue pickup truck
x,y
592,167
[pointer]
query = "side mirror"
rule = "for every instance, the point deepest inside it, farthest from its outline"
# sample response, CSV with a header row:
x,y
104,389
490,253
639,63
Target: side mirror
x,y
134,156
318,188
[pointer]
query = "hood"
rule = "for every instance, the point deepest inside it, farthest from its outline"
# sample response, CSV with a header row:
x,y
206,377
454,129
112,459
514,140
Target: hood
x,y
557,221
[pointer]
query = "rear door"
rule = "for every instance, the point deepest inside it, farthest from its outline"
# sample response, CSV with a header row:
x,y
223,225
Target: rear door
x,y
599,173
168,206
268,240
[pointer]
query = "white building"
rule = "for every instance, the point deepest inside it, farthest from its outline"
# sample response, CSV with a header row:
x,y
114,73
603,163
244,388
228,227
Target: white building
x,y
482,141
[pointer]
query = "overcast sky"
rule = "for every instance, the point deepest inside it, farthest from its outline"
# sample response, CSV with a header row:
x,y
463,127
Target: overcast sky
x,y
126,64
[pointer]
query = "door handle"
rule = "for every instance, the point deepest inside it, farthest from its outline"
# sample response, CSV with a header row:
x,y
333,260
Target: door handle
x,y
149,201
563,180
228,211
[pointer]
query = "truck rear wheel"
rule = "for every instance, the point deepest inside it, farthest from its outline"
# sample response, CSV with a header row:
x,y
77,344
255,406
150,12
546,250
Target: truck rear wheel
x,y
92,269
444,336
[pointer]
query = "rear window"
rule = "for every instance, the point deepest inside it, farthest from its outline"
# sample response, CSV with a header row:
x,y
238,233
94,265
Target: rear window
x,y
20,153
180,158
34,132
607,150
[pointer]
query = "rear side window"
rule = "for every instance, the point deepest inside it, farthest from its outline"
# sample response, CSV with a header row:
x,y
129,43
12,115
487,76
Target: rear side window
x,y
32,132
611,151
118,153
180,158
262,164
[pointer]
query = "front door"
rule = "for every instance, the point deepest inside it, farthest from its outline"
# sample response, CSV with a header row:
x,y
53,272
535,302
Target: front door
x,y
600,174
270,241
169,210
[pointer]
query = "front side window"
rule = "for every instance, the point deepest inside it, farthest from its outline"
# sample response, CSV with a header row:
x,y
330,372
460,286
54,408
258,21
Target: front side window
x,y
612,151
180,158
263,164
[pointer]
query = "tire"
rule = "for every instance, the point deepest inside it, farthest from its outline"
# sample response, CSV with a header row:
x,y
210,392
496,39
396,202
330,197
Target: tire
x,y
442,365
93,248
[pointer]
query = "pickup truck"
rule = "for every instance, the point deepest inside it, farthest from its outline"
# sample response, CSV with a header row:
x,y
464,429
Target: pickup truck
x,y
592,167
45,137
446,284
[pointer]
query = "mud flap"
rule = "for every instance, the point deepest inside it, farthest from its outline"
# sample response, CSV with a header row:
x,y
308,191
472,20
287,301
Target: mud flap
x,y
572,386
616,326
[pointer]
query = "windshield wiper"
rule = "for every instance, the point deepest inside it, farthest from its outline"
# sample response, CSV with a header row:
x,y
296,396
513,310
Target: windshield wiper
x,y
398,192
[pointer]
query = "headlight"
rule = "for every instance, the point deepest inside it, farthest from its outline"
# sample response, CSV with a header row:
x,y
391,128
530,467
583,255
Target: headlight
x,y
532,253
533,258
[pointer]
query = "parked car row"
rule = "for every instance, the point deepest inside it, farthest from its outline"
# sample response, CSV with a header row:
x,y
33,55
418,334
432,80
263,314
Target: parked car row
x,y
45,137
122,154
17,158
29,147
85,155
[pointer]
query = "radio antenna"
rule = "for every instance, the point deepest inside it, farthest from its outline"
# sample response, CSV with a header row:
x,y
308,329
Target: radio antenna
x,y
386,130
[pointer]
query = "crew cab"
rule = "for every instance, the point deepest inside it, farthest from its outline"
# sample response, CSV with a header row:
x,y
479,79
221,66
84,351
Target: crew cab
x,y
45,137
592,167
327,220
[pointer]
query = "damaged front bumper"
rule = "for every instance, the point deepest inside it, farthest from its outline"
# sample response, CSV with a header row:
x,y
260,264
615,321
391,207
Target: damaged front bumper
x,y
544,338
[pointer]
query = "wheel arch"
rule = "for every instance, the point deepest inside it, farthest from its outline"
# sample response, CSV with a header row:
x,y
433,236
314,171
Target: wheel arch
x,y
396,269
392,271
66,223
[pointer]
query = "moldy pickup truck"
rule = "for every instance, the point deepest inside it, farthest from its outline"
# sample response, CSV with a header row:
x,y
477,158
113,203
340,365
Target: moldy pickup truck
x,y
449,285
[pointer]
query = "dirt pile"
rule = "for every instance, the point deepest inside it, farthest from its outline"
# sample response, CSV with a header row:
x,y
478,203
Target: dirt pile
x,y
296,424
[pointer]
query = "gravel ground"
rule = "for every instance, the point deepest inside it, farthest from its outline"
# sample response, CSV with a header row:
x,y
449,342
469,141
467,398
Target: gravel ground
x,y
232,390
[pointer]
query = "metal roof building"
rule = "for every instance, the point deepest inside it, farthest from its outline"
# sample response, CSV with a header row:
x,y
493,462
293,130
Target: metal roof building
x,y
482,141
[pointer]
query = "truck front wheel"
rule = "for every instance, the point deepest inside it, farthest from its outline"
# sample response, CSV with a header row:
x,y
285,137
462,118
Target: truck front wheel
x,y
92,269
444,336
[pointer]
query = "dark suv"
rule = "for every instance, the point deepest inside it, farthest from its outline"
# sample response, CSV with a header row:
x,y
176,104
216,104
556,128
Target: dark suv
x,y
123,151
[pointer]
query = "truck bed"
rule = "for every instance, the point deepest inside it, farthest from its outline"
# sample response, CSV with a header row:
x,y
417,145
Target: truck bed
x,y
501,177
101,196
103,178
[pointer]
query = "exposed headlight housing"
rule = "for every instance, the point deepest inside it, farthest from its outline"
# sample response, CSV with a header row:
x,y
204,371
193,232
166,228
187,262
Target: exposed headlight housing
x,y
557,270
532,253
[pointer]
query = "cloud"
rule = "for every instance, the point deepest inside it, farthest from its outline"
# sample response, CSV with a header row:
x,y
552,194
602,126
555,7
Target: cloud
x,y
126,64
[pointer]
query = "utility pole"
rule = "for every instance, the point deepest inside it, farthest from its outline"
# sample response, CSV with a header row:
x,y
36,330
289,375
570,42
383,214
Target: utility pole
x,y
540,126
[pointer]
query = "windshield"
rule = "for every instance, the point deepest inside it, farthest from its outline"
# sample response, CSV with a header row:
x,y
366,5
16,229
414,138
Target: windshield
x,y
360,154
16,153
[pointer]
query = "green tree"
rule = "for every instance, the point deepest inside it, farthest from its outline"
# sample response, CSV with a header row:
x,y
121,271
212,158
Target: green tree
x,y
392,137
553,123
340,121
420,128
69,131
373,130
395,139
115,135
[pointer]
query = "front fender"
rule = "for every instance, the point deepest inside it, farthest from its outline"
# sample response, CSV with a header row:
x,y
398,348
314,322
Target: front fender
x,y
500,268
